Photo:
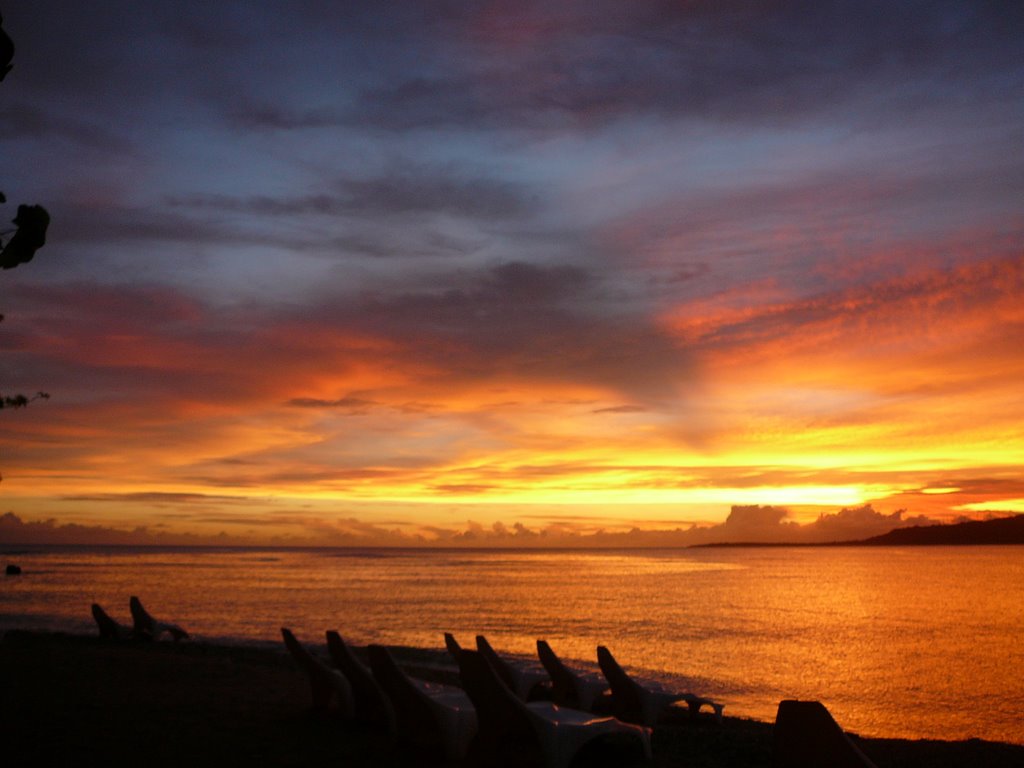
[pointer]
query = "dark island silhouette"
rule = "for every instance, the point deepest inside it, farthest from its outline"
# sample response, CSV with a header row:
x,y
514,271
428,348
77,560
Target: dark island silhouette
x,y
1001,530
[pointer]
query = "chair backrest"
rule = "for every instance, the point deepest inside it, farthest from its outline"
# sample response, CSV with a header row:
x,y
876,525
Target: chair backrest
x,y
503,722
109,628
310,663
297,650
452,645
415,719
806,735
326,684
497,663
626,697
372,704
144,626
563,683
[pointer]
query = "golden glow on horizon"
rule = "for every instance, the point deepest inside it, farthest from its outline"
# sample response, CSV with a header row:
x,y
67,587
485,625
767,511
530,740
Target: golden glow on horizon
x,y
1003,505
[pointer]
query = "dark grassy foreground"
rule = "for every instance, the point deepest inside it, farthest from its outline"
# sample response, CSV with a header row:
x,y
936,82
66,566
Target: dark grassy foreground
x,y
78,701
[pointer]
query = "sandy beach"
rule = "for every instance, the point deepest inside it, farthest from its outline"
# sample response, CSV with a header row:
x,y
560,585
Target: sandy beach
x,y
74,700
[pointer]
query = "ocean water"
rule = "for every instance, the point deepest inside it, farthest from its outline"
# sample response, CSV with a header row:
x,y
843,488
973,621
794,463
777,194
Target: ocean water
x,y
917,642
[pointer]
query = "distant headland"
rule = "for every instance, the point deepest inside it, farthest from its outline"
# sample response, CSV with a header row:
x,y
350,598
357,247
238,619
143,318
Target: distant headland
x,y
1002,530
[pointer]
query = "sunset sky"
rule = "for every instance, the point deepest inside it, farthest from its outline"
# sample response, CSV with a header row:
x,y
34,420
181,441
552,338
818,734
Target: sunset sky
x,y
462,272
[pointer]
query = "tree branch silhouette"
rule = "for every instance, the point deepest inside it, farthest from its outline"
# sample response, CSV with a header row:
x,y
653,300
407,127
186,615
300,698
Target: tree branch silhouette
x,y
31,222
6,51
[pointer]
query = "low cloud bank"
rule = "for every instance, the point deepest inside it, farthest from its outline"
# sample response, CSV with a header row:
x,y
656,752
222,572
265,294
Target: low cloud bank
x,y
14,530
753,524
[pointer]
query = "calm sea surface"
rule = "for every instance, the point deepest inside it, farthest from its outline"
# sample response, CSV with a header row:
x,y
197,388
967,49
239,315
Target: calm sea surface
x,y
921,642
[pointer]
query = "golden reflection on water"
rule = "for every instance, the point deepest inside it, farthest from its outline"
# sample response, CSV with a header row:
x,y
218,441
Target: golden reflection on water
x,y
920,642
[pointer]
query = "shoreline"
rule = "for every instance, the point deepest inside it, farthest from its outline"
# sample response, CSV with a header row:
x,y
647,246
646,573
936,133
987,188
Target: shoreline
x,y
76,699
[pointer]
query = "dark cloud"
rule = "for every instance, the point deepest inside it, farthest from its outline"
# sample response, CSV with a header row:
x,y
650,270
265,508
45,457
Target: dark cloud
x,y
532,322
683,273
106,307
33,123
461,66
733,61
249,116
262,205
623,409
152,497
120,223
14,530
516,320
404,192
387,243
498,305
351,405
462,488
968,484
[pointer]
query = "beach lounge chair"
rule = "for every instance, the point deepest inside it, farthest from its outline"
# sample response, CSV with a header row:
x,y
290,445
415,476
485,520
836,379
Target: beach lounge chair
x,y
636,703
570,688
109,629
326,685
520,678
427,715
371,704
452,645
145,627
807,736
514,731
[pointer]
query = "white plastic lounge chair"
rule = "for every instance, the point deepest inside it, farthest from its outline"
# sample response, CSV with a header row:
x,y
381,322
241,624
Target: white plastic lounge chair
x,y
326,685
536,730
427,715
569,687
636,703
109,629
520,678
806,736
145,627
371,704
